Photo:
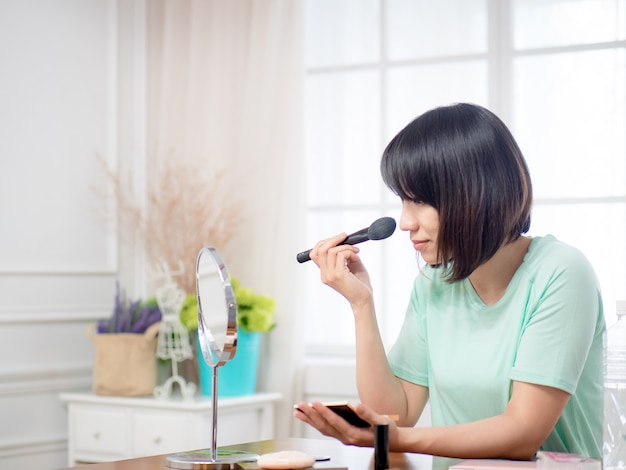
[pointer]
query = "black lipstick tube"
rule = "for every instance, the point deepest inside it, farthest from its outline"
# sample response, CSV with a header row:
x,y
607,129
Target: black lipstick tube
x,y
381,446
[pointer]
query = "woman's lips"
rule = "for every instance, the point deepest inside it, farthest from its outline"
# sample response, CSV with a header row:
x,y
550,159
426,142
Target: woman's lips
x,y
419,244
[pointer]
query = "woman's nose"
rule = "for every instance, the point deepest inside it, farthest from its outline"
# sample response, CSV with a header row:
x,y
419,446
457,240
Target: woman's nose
x,y
407,221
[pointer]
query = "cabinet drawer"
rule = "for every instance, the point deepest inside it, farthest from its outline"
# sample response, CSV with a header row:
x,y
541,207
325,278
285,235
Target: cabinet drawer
x,y
161,433
101,431
238,427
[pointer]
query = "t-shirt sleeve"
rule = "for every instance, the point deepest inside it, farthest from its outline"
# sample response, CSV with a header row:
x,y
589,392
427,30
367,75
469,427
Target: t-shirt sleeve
x,y
561,324
408,357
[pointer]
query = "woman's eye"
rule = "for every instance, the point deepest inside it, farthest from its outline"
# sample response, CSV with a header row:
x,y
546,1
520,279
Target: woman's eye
x,y
413,200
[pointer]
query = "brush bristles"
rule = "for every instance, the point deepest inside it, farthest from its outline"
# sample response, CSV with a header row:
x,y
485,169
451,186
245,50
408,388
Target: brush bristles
x,y
381,228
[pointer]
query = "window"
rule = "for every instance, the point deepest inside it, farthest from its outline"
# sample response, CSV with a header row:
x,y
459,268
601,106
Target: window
x,y
553,70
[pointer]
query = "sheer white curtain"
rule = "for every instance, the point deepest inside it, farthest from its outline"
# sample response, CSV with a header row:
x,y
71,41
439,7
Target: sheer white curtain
x,y
224,87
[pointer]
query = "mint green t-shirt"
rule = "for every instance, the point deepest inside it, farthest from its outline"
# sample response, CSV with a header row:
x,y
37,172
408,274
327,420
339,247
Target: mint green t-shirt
x,y
547,329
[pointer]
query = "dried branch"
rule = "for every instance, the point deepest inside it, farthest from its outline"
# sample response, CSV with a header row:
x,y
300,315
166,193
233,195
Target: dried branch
x,y
187,207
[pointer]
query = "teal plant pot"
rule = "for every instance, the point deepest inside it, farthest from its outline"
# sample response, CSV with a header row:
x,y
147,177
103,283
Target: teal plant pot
x,y
238,376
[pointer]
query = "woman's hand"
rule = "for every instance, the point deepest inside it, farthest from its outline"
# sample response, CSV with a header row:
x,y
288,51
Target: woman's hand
x,y
342,269
331,424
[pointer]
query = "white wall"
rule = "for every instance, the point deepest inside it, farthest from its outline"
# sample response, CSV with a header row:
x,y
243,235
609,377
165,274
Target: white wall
x,y
59,87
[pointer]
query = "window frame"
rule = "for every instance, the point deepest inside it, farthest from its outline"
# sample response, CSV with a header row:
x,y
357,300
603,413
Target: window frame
x,y
500,57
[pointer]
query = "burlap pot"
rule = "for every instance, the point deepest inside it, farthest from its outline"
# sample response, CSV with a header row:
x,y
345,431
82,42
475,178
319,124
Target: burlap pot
x,y
124,363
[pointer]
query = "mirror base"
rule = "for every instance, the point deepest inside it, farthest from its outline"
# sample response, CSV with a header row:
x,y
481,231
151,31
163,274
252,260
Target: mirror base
x,y
202,460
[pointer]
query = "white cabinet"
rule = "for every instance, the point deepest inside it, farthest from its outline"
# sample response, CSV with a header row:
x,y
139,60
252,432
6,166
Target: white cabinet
x,y
103,428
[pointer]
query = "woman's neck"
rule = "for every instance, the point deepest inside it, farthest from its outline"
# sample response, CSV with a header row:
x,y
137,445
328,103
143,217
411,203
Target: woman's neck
x,y
491,279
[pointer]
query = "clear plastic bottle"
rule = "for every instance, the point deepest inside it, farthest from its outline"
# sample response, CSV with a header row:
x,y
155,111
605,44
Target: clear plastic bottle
x,y
614,442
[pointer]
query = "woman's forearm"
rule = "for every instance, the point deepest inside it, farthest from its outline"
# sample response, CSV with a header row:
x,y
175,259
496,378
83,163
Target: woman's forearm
x,y
500,437
376,383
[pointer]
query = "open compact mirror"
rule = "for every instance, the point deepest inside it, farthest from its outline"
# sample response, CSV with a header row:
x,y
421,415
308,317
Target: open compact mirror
x,y
217,334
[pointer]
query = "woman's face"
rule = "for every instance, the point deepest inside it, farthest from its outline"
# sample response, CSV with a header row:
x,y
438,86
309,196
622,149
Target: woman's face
x,y
422,223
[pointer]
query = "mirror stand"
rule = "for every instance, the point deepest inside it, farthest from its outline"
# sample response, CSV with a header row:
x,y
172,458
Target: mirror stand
x,y
212,458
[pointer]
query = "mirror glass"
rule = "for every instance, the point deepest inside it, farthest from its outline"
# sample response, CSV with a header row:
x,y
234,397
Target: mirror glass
x,y
217,309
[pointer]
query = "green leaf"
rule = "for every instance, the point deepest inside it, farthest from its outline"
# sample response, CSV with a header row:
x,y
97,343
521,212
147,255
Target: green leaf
x,y
189,312
255,311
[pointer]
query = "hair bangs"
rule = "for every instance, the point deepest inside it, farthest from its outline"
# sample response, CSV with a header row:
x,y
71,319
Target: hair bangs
x,y
405,174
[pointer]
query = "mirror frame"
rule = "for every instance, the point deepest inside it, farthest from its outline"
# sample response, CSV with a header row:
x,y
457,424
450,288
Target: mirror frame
x,y
216,355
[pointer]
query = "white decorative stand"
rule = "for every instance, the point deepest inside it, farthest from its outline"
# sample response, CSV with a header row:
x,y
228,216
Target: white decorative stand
x,y
173,340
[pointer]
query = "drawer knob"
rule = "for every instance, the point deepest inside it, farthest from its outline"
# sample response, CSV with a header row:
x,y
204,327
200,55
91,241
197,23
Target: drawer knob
x,y
157,440
96,435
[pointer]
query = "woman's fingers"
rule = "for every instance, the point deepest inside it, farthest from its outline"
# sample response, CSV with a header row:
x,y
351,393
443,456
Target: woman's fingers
x,y
371,416
341,268
330,424
332,257
322,246
307,413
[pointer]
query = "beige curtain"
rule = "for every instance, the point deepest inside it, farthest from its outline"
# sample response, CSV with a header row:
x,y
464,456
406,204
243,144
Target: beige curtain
x,y
225,89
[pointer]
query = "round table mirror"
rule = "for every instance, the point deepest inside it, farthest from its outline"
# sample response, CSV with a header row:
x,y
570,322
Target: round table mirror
x,y
217,334
217,309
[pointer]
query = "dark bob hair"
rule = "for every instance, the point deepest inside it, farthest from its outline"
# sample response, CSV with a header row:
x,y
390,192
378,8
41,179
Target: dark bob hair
x,y
463,161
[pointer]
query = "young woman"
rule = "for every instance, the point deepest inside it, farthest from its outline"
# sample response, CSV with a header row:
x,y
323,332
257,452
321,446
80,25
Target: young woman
x,y
502,334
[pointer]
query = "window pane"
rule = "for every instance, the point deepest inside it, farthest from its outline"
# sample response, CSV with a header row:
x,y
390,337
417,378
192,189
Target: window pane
x,y
400,266
392,266
544,23
599,231
423,28
343,138
569,121
410,91
341,32
329,319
